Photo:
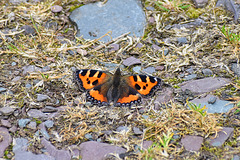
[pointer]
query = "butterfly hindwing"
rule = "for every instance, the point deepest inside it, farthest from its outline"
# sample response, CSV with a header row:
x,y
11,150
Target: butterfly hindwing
x,y
144,84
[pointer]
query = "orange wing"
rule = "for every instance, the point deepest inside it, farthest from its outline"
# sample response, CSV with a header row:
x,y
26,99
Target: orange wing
x,y
95,82
143,84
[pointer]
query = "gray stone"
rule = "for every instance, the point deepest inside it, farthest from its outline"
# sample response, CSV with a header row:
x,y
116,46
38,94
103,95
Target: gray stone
x,y
75,151
21,153
156,47
182,40
190,76
236,69
137,131
5,123
15,79
220,106
49,123
88,136
204,85
96,19
31,68
190,70
200,3
5,140
149,70
230,6
23,122
32,125
147,144
56,8
35,113
44,131
28,85
207,72
164,97
98,151
136,69
49,109
221,137
54,152
212,100
28,29
197,22
7,110
13,63
192,143
122,128
42,97
2,89
131,61
165,52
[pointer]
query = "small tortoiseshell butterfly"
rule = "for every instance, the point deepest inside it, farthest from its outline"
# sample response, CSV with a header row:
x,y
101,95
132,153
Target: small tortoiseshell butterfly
x,y
102,87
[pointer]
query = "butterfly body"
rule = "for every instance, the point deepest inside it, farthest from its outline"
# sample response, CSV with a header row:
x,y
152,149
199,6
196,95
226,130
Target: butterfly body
x,y
103,87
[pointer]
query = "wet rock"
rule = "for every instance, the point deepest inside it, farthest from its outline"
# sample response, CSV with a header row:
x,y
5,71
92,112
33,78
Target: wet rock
x,y
200,3
131,61
137,131
5,140
32,125
221,137
95,150
23,122
192,143
204,85
15,79
149,70
5,123
236,69
49,123
42,97
21,153
7,110
56,8
35,113
117,16
28,30
52,151
220,106
2,89
207,72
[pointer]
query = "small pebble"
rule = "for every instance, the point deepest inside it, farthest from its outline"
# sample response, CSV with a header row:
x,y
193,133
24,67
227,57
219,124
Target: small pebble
x,y
207,72
23,122
182,40
49,123
2,89
212,100
56,8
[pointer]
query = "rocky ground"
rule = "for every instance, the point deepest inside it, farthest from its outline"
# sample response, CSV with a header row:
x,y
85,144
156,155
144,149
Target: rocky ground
x,y
195,114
